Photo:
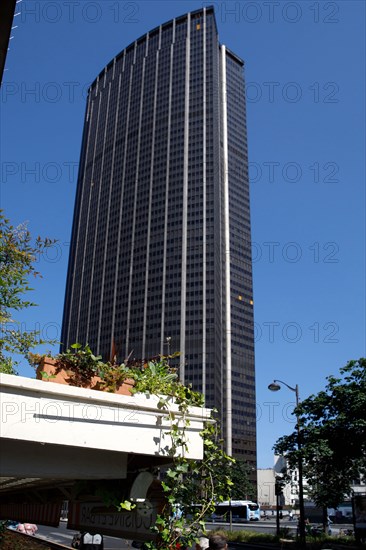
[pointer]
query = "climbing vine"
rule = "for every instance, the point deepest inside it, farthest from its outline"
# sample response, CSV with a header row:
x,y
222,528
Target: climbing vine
x,y
192,489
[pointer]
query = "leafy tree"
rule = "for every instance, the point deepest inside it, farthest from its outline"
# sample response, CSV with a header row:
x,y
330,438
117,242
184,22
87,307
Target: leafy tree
x,y
18,255
242,488
333,436
238,471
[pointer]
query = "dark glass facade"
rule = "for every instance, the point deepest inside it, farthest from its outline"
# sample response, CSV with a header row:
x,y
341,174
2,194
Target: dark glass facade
x,y
160,256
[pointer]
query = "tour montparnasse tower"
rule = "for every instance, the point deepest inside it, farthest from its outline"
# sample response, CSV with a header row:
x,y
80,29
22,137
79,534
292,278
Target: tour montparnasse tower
x,y
160,254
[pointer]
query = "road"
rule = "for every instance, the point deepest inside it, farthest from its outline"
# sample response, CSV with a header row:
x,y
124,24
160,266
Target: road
x,y
64,536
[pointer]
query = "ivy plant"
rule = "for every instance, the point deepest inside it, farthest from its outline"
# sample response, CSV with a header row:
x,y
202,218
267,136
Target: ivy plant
x,y
192,489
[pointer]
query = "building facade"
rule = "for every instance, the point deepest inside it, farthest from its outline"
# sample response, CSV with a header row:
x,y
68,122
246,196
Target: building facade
x,y
160,256
266,485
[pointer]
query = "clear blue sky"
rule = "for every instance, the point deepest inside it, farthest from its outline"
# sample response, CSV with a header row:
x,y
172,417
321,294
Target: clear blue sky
x,y
305,66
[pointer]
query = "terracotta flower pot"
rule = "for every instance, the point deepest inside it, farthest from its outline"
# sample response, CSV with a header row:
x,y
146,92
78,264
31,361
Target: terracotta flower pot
x,y
49,371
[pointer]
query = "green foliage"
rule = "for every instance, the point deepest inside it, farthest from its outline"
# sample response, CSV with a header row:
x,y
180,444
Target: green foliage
x,y
18,255
193,487
314,542
185,482
158,378
82,365
81,359
127,505
150,377
238,471
46,376
333,436
7,365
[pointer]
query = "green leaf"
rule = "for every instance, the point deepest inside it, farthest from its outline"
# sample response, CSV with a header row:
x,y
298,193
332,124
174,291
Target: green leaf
x,y
127,505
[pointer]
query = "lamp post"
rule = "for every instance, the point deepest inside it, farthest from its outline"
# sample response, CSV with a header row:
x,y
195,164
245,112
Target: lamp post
x,y
275,386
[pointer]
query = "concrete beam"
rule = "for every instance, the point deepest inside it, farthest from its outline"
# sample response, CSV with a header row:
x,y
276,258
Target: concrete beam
x,y
53,414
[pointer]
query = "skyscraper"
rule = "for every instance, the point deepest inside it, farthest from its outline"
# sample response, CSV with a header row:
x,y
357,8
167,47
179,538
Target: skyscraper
x,y
160,254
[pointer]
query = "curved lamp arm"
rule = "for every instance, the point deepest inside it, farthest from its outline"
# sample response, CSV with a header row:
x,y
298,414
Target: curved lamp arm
x,y
275,387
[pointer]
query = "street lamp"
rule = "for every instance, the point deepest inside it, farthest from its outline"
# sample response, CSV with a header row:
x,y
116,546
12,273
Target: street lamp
x,y
275,386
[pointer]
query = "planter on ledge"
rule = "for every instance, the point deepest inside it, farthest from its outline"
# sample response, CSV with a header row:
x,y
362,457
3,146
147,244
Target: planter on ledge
x,y
49,370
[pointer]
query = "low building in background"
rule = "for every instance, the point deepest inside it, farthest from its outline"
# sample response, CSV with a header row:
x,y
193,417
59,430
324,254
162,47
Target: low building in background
x,y
267,486
290,493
